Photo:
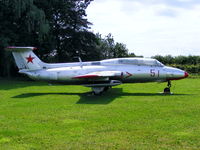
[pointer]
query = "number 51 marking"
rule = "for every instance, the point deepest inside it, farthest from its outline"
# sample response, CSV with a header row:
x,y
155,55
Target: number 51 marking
x,y
153,73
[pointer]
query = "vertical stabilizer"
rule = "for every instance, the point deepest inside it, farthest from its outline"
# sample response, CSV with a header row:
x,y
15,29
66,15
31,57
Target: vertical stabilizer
x,y
25,58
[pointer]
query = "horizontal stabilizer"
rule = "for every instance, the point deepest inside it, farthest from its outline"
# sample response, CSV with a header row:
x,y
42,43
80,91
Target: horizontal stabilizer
x,y
19,49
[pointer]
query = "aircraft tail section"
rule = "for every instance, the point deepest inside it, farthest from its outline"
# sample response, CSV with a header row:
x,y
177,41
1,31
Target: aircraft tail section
x,y
25,58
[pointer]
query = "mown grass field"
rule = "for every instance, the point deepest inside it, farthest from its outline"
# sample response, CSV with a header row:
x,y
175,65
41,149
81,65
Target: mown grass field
x,y
34,115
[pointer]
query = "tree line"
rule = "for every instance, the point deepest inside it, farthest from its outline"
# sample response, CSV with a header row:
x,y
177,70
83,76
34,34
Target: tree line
x,y
190,63
58,28
61,31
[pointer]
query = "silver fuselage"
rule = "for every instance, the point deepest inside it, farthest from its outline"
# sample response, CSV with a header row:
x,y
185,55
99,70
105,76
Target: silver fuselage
x,y
129,73
99,75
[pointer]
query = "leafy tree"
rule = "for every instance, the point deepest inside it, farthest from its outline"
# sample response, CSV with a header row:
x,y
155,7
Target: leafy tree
x,y
57,27
133,55
68,24
22,23
169,59
182,60
120,50
109,49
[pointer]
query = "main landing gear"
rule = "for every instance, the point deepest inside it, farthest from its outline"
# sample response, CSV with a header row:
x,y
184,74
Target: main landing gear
x,y
99,90
167,89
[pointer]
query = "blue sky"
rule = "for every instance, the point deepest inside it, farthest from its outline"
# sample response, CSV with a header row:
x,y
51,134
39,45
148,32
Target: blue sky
x,y
149,27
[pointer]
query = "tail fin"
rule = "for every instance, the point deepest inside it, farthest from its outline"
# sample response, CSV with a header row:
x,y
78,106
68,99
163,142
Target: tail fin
x,y
25,58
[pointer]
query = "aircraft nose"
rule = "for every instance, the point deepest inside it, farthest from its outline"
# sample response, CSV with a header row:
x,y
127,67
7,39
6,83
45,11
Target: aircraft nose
x,y
186,75
176,74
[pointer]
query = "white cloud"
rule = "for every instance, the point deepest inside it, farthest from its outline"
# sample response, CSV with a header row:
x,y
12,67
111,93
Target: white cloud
x,y
150,27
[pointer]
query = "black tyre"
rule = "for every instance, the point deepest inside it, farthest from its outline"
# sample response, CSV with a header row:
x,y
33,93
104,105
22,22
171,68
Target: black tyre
x,y
167,90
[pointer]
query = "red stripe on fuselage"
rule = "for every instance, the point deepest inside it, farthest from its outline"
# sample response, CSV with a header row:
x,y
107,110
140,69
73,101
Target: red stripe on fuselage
x,y
86,76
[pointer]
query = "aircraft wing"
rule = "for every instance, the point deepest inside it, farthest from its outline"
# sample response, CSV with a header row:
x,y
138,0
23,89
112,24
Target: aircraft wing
x,y
99,74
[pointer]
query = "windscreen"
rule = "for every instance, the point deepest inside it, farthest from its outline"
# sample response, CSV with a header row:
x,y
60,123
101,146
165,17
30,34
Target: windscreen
x,y
141,61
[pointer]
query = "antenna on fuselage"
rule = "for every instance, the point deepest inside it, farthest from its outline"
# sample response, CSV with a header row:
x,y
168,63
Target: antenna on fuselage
x,y
80,60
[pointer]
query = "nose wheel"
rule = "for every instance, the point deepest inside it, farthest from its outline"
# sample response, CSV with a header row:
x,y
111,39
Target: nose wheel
x,y
167,89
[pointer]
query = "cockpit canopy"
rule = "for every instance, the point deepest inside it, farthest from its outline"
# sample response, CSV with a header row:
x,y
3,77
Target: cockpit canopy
x,y
133,61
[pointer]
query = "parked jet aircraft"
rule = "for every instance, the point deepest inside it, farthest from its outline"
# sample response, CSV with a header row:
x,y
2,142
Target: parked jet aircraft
x,y
99,75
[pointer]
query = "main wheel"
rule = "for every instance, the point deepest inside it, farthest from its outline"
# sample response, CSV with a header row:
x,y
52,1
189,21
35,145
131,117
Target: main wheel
x,y
167,90
97,90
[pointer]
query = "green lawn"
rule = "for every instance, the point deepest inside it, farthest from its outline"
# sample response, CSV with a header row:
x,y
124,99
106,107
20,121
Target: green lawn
x,y
34,115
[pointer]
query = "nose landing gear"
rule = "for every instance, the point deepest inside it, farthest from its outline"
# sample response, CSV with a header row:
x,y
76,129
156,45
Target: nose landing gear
x,y
167,89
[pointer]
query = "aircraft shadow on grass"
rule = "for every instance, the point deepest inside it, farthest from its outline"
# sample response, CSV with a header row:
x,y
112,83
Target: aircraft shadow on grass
x,y
88,98
17,83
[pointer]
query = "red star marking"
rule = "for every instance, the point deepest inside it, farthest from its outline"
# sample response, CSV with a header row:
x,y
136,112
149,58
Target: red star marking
x,y
30,59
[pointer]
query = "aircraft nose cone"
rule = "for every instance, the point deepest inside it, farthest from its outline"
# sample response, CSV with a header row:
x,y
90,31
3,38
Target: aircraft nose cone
x,y
186,75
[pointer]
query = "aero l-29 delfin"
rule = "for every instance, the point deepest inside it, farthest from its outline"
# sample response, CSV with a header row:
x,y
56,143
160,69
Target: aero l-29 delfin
x,y
99,75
